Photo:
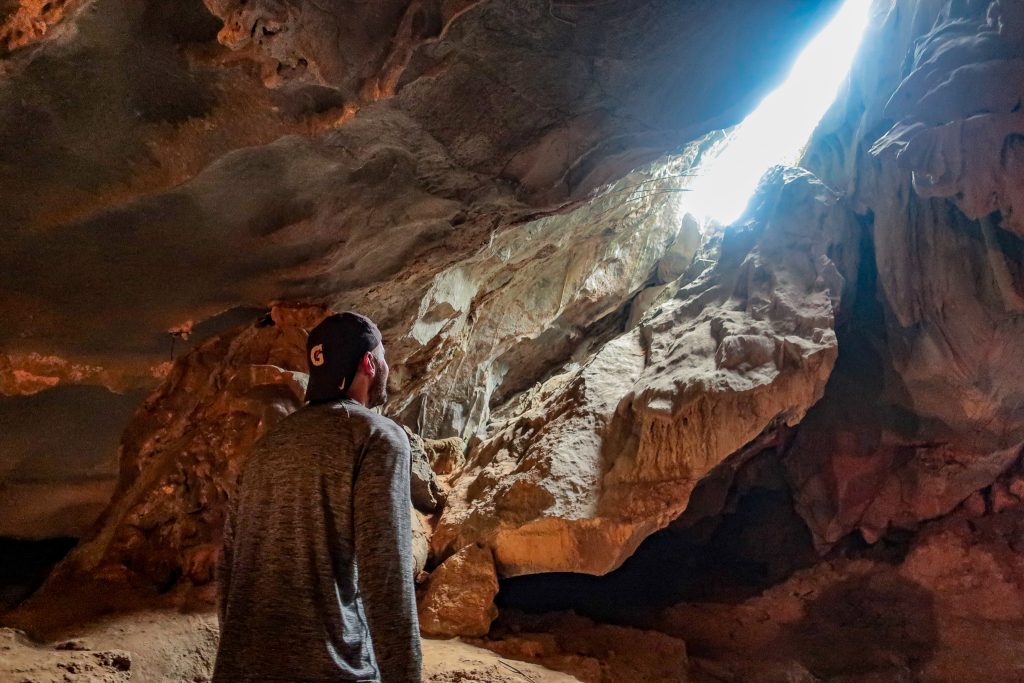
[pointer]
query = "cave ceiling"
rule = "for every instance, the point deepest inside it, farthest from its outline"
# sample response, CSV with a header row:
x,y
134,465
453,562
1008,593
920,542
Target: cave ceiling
x,y
164,165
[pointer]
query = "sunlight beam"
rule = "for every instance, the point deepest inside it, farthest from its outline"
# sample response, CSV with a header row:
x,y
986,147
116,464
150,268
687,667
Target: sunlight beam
x,y
775,132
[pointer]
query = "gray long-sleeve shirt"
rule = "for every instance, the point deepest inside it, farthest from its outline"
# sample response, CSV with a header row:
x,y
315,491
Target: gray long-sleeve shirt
x,y
316,576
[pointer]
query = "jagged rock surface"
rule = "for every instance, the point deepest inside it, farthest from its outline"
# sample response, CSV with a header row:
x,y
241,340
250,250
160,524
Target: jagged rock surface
x,y
583,468
182,453
459,597
596,371
929,411
948,608
542,96
960,129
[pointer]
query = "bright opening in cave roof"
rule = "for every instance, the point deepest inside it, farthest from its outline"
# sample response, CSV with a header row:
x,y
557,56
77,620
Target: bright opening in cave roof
x,y
778,129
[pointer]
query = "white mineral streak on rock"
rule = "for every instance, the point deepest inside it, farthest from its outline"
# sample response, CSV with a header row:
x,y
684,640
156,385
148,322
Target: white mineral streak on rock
x,y
577,472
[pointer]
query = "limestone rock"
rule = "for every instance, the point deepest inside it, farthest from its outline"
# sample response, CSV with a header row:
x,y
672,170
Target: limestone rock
x,y
950,608
519,327
502,91
427,496
679,256
459,599
57,483
959,129
153,183
975,506
182,452
420,542
445,455
578,471
972,568
25,660
937,340
492,324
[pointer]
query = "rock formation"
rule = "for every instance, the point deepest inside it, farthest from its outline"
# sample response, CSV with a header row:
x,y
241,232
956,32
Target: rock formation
x,y
459,599
143,152
592,461
928,412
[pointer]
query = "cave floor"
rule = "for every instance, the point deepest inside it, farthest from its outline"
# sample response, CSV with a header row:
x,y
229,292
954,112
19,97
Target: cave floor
x,y
165,646
949,611
726,643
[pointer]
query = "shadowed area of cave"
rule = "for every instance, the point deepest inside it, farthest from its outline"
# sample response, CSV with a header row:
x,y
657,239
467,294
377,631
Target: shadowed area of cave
x,y
758,543
26,565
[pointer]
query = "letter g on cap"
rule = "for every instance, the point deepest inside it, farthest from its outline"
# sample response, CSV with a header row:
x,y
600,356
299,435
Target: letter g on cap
x,y
316,355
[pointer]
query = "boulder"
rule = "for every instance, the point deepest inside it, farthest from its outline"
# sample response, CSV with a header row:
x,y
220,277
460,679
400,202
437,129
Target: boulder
x,y
459,598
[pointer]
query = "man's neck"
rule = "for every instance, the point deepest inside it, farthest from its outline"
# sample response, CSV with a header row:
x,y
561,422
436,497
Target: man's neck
x,y
360,397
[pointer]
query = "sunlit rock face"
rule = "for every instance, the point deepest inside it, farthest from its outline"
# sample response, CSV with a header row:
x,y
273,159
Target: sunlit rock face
x,y
928,410
555,104
539,295
578,471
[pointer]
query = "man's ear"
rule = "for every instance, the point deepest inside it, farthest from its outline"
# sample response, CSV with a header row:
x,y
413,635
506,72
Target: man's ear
x,y
368,365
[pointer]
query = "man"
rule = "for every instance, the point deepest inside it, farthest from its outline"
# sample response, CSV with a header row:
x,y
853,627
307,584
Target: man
x,y
316,574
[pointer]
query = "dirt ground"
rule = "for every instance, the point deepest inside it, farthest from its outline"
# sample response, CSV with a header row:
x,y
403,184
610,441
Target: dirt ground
x,y
167,646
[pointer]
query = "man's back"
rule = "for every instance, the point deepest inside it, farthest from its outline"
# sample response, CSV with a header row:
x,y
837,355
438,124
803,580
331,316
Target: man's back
x,y
328,487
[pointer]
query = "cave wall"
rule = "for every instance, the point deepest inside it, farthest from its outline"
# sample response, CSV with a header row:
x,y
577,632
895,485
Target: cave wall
x,y
929,411
184,166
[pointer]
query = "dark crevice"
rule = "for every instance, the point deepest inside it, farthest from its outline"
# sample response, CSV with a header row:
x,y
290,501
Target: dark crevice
x,y
26,564
756,540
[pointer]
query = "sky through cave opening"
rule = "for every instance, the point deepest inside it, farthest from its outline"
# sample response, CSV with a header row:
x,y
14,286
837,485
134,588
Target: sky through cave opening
x,y
778,129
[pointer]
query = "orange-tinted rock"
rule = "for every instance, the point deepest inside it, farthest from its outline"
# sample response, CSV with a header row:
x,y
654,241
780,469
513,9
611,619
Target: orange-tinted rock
x,y
445,455
183,451
30,20
459,598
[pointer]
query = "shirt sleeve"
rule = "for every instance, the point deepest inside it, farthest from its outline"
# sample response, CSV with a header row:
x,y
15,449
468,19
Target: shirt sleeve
x,y
383,544
223,568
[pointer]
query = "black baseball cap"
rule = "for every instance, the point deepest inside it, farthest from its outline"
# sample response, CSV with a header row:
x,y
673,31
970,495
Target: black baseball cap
x,y
333,351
